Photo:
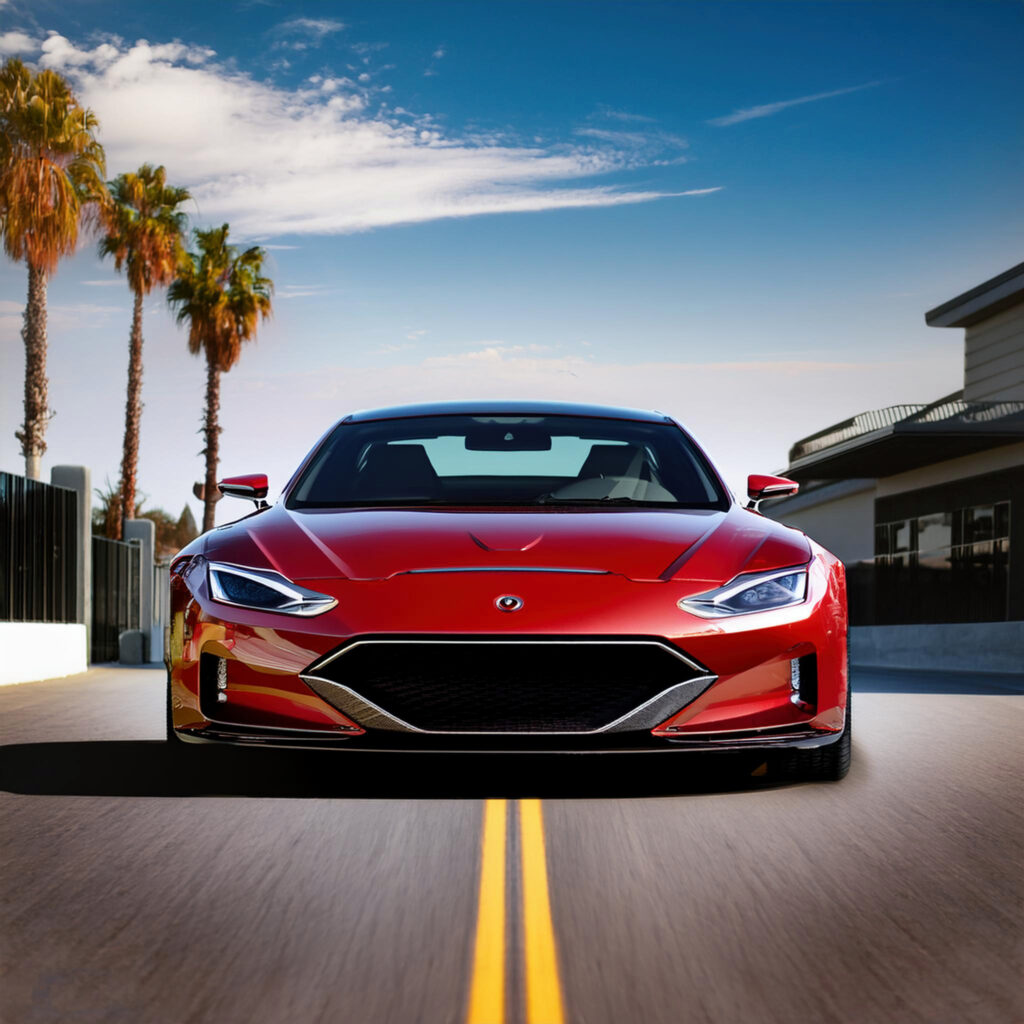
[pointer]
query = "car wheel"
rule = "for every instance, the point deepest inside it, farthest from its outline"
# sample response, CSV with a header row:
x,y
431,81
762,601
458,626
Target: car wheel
x,y
820,764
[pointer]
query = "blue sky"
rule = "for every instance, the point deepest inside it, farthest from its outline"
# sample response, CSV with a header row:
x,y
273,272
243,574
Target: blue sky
x,y
737,213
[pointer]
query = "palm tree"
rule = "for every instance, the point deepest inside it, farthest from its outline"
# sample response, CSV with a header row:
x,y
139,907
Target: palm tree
x,y
51,181
221,293
144,232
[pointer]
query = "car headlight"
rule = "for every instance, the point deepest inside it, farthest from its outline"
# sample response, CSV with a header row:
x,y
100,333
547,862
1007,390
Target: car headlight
x,y
264,590
754,592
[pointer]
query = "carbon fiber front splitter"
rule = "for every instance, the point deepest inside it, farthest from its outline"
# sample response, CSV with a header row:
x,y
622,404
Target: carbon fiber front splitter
x,y
410,743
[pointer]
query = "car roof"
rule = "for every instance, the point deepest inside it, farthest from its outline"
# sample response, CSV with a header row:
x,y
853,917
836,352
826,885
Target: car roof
x,y
506,408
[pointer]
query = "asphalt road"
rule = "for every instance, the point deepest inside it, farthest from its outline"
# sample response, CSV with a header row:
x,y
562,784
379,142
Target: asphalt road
x,y
260,886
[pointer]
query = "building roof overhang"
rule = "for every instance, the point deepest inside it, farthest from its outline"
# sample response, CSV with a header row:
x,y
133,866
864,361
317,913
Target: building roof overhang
x,y
889,441
980,303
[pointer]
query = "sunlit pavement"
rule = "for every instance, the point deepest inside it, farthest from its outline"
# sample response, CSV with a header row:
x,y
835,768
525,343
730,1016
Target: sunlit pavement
x,y
269,886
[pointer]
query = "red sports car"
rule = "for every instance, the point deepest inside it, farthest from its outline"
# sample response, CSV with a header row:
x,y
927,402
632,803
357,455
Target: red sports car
x,y
512,576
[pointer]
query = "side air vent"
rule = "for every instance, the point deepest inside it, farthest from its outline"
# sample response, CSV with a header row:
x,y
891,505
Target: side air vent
x,y
804,682
213,682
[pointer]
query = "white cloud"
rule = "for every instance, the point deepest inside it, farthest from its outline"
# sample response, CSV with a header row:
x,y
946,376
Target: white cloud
x,y
305,33
299,291
635,139
79,314
516,358
767,109
329,85
59,316
272,161
438,53
313,26
107,282
646,148
14,43
365,49
622,115
119,64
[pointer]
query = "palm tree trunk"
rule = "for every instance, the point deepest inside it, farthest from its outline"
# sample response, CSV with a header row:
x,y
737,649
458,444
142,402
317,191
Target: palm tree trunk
x,y
211,429
36,413
132,415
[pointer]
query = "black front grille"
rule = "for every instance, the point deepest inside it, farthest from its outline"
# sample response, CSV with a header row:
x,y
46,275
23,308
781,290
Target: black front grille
x,y
501,685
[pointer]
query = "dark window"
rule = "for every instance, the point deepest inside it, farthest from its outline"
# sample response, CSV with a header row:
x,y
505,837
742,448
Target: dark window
x,y
935,532
944,566
979,523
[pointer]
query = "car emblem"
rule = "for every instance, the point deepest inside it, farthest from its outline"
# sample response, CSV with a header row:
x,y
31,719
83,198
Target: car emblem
x,y
509,603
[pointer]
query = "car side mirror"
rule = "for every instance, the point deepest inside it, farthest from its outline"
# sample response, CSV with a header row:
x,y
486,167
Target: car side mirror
x,y
253,487
760,488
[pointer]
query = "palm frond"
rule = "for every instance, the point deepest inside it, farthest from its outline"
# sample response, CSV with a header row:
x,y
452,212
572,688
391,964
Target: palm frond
x,y
144,229
222,294
51,166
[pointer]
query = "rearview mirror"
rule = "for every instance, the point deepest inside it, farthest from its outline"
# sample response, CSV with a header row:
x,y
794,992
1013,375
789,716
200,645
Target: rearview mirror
x,y
760,488
253,487
517,437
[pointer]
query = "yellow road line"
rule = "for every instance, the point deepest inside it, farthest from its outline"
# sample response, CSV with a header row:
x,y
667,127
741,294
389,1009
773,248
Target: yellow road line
x,y
487,994
543,988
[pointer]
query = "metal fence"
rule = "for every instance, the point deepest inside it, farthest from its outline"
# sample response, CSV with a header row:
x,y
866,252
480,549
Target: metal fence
x,y
116,575
38,551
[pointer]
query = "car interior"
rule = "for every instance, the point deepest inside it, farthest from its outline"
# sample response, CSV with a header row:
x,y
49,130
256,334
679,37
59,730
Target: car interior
x,y
488,462
403,471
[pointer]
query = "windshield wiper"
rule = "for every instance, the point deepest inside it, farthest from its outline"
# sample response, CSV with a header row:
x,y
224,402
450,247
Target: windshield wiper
x,y
544,499
550,499
421,503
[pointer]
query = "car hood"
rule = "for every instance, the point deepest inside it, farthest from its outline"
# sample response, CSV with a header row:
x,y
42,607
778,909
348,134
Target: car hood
x,y
376,544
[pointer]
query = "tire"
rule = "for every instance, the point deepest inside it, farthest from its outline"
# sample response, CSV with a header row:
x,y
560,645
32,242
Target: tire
x,y
820,764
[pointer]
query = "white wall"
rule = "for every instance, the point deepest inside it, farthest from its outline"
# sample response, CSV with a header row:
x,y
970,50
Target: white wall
x,y
41,650
994,358
840,517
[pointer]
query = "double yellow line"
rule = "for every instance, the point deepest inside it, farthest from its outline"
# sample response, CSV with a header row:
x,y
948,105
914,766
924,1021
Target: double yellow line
x,y
543,990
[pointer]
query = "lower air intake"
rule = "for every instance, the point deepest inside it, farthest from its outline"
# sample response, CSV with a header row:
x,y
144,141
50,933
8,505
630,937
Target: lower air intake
x,y
507,686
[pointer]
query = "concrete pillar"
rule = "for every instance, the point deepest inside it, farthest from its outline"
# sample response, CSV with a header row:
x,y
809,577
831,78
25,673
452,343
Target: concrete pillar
x,y
78,478
144,532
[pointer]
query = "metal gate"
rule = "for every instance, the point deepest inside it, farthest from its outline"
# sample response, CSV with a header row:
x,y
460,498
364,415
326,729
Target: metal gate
x,y
38,551
116,569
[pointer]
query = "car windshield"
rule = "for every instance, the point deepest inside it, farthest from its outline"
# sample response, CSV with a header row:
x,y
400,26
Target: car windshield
x,y
543,461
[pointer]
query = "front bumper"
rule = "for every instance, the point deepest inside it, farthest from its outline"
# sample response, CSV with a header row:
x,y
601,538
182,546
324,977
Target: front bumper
x,y
274,699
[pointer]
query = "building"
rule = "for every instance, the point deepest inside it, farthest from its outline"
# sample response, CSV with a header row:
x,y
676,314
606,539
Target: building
x,y
925,503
